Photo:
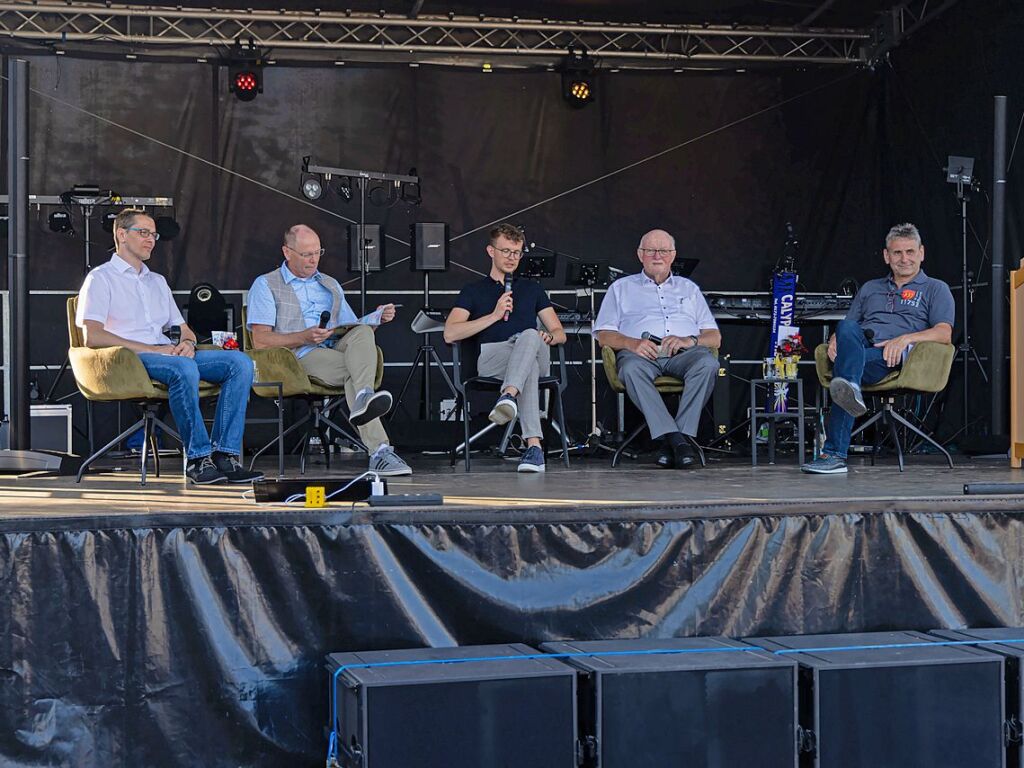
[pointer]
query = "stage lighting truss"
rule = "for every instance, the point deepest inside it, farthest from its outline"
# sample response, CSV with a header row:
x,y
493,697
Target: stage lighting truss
x,y
578,78
452,40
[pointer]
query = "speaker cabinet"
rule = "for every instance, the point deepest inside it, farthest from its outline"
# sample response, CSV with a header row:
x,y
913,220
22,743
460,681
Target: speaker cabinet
x,y
699,707
910,706
372,240
1013,655
507,711
429,247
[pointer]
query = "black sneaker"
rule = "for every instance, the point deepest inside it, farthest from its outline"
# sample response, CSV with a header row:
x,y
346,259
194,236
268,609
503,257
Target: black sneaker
x,y
202,471
233,469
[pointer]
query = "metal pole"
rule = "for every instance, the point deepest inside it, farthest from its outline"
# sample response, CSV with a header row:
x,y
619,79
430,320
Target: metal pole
x,y
965,297
426,357
17,249
999,422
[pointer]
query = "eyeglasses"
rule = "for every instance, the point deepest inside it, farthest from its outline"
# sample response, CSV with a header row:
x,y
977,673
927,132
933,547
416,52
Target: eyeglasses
x,y
145,233
509,252
308,254
657,251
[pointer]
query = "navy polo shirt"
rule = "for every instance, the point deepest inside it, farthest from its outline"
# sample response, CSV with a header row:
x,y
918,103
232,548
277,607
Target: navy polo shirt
x,y
890,311
479,298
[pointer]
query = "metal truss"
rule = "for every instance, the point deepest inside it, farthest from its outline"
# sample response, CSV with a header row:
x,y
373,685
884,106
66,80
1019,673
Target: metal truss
x,y
903,20
299,35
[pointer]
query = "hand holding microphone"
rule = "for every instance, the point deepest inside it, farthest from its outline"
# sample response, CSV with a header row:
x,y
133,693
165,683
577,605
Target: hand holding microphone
x,y
325,317
647,346
508,289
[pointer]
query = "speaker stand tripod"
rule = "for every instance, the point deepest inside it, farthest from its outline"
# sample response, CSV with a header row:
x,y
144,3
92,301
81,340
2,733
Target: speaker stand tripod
x,y
426,358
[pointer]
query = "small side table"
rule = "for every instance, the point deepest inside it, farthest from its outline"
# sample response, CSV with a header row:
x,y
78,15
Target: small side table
x,y
763,414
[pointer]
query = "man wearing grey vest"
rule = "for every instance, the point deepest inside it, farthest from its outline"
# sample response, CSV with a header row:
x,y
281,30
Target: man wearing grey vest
x,y
286,308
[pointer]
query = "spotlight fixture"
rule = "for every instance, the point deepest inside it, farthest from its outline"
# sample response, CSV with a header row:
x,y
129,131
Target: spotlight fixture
x,y
245,71
60,221
167,227
345,188
312,188
384,194
410,191
578,83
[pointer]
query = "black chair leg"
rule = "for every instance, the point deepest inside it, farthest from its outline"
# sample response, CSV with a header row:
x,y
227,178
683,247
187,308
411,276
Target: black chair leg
x,y
454,454
895,437
465,423
123,436
629,439
147,426
923,435
560,412
698,448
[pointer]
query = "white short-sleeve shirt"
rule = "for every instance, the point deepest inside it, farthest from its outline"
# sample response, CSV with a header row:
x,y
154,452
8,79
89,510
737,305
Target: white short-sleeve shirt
x,y
636,303
136,306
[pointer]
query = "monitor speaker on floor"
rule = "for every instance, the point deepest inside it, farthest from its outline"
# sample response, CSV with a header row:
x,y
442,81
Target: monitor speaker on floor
x,y
911,706
710,703
509,711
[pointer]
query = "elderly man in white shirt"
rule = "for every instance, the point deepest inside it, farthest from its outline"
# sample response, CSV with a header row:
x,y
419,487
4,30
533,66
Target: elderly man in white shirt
x,y
124,304
670,309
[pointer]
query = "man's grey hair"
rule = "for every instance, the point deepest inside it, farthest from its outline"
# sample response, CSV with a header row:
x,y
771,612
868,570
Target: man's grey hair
x,y
903,230
672,240
292,233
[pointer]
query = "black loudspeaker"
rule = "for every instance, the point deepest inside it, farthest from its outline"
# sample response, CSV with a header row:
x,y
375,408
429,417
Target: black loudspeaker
x,y
910,706
206,311
699,708
373,247
515,712
1013,654
429,247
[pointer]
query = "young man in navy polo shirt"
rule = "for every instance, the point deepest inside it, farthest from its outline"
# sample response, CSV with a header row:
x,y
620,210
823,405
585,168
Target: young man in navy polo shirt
x,y
511,346
886,318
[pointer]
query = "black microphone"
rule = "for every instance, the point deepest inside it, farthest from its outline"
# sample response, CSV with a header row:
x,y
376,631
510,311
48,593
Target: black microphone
x,y
508,287
174,334
869,334
325,318
647,336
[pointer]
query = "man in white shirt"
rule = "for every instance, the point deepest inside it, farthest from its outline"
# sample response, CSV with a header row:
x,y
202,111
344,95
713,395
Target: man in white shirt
x,y
672,309
122,303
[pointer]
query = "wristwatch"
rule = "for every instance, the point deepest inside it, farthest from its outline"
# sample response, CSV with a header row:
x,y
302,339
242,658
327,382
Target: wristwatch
x,y
190,341
696,341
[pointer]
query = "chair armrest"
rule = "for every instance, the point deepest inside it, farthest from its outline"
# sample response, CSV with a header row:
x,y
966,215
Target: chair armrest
x,y
927,367
279,364
110,373
611,370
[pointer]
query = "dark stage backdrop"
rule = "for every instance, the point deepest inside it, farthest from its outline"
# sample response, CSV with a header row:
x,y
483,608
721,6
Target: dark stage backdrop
x,y
721,160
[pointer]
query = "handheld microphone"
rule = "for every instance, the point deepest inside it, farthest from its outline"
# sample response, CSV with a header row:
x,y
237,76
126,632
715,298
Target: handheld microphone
x,y
174,334
508,287
869,334
648,336
325,317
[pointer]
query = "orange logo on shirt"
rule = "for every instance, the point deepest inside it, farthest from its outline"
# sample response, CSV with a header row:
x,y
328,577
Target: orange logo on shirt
x,y
908,294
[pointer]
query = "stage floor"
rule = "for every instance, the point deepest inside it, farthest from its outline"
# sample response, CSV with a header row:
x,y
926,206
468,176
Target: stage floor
x,y
726,486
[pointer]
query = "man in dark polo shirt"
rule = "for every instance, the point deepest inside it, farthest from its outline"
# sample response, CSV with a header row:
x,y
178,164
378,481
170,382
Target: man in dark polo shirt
x,y
887,317
501,311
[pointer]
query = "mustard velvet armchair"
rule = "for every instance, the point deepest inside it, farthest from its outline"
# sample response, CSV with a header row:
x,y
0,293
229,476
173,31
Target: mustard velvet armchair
x,y
116,374
280,364
926,371
666,385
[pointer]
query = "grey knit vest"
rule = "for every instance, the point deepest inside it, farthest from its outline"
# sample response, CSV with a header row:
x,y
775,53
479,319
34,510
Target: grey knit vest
x,y
289,311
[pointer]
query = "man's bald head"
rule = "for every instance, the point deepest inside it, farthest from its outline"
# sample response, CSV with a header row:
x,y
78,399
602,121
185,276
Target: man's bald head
x,y
658,238
302,250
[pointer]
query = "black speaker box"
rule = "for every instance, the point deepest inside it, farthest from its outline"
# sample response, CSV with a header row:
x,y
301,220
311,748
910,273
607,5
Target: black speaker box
x,y
1013,655
700,709
507,712
429,247
909,706
373,247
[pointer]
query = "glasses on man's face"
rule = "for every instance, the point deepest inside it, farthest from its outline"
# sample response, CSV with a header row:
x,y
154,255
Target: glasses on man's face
x,y
308,254
145,234
508,252
657,251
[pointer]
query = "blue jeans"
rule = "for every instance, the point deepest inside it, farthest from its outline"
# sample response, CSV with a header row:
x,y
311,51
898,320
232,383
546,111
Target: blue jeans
x,y
858,362
232,370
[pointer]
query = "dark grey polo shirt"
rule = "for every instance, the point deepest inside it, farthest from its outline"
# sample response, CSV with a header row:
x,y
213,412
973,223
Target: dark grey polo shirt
x,y
890,311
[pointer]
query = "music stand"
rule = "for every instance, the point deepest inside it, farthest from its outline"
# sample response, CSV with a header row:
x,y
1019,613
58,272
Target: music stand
x,y
591,275
538,266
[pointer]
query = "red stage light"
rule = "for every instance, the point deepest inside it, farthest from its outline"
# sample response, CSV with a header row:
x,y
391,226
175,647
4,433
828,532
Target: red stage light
x,y
246,82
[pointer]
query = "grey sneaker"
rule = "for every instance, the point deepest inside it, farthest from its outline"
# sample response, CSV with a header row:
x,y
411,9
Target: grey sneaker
x,y
386,463
825,465
504,410
369,406
532,460
847,396
202,471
